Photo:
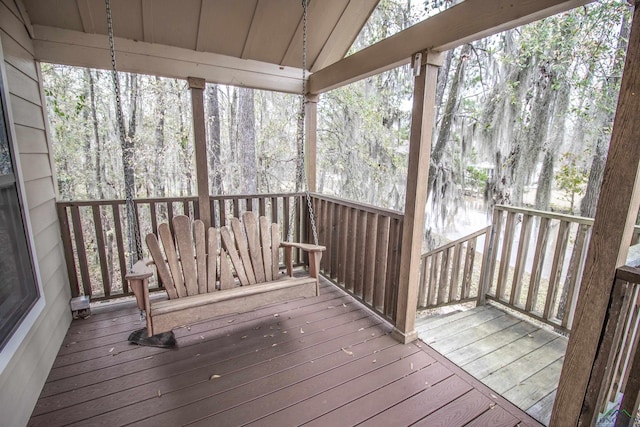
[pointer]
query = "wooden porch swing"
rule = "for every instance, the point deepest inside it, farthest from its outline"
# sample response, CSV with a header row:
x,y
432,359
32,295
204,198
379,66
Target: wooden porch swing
x,y
217,271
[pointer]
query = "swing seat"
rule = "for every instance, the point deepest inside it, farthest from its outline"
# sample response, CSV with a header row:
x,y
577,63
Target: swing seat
x,y
227,270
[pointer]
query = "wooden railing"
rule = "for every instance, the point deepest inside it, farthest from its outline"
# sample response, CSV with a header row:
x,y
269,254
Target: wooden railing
x,y
96,243
536,262
363,250
614,385
453,273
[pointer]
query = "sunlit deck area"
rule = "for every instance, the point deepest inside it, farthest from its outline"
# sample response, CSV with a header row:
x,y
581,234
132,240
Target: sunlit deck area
x,y
514,357
325,360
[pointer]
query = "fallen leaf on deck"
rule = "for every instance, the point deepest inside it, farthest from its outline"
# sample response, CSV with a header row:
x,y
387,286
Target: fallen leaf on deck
x,y
373,361
276,315
201,337
256,328
159,394
285,332
213,377
530,336
411,365
231,321
361,329
197,355
274,344
344,305
492,405
350,353
188,328
111,350
243,337
493,396
330,306
148,357
301,331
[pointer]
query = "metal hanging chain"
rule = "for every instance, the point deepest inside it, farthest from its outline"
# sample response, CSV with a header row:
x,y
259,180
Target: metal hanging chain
x,y
301,132
135,245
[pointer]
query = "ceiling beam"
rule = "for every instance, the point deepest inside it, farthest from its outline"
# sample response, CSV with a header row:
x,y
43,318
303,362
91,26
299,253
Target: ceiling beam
x,y
68,47
344,33
85,16
147,21
467,21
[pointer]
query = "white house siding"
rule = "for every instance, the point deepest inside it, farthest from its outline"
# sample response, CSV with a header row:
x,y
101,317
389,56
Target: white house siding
x,y
27,362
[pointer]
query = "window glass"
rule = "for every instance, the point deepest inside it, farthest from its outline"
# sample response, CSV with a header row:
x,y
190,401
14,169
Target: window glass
x,y
18,290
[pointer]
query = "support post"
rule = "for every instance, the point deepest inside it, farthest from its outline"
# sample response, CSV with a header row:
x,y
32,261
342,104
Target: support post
x,y
422,119
197,85
311,132
616,214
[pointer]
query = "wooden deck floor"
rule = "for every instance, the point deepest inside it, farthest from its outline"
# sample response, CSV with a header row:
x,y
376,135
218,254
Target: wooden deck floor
x,y
520,361
322,361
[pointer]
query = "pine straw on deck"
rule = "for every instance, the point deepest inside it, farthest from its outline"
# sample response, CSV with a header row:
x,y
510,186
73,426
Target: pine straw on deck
x,y
323,361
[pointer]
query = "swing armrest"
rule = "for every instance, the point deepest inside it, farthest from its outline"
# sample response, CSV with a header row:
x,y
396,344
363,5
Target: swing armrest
x,y
304,246
140,270
315,255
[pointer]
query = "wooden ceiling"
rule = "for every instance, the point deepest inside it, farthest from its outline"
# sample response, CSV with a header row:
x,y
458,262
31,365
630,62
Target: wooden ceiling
x,y
265,33
257,43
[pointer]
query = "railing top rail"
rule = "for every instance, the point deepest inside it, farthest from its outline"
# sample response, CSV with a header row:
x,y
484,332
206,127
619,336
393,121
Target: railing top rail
x,y
628,274
458,241
252,196
359,205
104,202
545,214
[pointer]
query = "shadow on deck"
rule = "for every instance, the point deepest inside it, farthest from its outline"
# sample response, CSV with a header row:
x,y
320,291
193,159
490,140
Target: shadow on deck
x,y
323,361
518,360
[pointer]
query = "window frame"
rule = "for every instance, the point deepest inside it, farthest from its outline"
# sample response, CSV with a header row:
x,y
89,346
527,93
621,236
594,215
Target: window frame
x,y
24,326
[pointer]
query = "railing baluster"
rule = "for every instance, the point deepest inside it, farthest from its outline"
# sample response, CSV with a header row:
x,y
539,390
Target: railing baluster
x,y
467,275
369,257
352,250
538,260
505,258
423,288
455,271
556,268
81,249
382,243
102,256
521,259
433,279
68,249
444,274
115,209
359,259
344,237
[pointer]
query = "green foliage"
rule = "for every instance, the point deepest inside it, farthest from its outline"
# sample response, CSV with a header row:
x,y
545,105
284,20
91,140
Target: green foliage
x,y
571,178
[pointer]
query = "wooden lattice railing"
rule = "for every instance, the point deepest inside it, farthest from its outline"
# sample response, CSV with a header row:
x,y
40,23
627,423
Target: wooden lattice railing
x,y
363,242
96,243
614,385
363,250
453,273
532,262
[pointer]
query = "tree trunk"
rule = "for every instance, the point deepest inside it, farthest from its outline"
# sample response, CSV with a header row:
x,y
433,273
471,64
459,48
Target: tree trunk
x,y
214,139
447,117
159,157
89,186
543,193
605,119
247,139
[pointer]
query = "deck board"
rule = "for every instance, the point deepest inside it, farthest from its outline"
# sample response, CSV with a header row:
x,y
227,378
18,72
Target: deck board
x,y
324,360
516,359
